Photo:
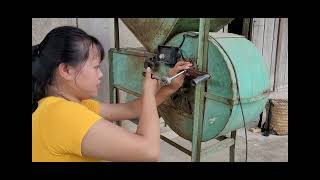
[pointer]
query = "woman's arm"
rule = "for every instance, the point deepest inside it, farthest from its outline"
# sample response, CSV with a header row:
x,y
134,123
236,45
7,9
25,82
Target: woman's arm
x,y
132,109
106,141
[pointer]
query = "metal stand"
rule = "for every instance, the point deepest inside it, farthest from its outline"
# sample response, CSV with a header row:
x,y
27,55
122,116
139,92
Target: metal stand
x,y
225,142
202,60
233,147
114,92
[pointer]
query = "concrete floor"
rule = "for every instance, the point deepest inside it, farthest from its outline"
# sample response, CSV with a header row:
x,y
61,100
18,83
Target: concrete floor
x,y
272,148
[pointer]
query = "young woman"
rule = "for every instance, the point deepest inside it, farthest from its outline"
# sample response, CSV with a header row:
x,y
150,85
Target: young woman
x,y
67,125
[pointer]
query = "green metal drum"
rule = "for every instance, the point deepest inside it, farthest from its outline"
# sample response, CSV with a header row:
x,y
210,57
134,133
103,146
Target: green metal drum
x,y
232,61
238,73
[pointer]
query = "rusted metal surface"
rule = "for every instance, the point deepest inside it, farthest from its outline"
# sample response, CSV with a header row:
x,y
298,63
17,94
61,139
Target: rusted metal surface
x,y
193,73
192,24
152,32
180,123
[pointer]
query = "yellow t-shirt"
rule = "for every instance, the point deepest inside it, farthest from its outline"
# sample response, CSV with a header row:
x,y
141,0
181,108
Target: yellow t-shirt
x,y
58,127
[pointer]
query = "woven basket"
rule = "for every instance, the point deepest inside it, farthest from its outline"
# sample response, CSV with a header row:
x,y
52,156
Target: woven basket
x,y
279,117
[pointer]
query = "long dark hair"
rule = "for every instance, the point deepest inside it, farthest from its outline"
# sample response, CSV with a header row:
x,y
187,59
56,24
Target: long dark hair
x,y
66,44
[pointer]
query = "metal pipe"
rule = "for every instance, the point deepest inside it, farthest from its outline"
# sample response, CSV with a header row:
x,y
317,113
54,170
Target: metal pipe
x,y
116,34
111,80
181,148
167,80
117,46
199,79
173,77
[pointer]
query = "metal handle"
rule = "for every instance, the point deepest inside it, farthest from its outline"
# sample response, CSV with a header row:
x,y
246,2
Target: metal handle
x,y
199,79
173,77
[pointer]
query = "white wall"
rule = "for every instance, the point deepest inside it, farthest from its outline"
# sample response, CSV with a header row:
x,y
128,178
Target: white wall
x,y
41,26
101,28
270,36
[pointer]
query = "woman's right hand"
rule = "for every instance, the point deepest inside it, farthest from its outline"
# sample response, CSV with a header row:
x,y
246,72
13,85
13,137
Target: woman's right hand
x,y
150,85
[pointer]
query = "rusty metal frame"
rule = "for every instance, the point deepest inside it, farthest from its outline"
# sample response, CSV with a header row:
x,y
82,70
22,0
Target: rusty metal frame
x,y
204,27
115,92
200,96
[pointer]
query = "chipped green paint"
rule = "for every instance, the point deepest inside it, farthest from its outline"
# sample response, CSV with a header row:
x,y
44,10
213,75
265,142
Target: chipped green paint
x,y
127,67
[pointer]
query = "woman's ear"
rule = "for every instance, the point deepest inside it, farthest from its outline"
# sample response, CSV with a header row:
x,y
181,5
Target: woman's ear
x,y
66,71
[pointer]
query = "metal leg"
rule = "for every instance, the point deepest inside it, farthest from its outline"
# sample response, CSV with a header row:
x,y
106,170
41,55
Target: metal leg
x,y
260,120
117,100
111,86
113,93
116,34
117,46
114,97
178,146
232,148
268,121
199,94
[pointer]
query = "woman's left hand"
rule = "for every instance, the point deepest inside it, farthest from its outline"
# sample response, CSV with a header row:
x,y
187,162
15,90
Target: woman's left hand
x,y
177,82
